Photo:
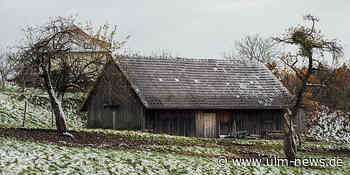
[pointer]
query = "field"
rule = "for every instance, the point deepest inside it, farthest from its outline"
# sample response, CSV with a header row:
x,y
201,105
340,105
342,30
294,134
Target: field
x,y
38,113
37,149
33,151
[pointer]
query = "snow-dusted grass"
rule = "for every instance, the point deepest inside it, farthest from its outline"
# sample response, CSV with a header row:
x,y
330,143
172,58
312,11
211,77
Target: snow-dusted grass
x,y
23,157
215,151
27,157
257,142
38,115
324,147
331,126
151,136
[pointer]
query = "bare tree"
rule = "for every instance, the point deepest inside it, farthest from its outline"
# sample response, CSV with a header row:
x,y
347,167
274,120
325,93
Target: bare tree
x,y
3,68
7,65
255,47
312,47
65,57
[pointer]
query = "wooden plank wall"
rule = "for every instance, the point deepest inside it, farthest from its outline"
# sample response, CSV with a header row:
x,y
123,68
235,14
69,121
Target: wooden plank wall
x,y
173,122
213,123
258,121
224,122
253,121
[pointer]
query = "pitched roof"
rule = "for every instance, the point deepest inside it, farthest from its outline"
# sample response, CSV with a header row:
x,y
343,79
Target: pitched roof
x,y
182,83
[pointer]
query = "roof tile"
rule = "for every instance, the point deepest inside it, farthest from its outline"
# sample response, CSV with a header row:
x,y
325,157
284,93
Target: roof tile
x,y
183,83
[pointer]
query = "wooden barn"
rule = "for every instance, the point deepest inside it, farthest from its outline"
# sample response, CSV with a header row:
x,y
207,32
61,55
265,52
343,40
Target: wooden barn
x,y
187,97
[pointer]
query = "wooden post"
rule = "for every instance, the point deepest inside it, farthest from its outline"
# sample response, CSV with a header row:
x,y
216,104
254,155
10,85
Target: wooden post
x,y
51,117
25,111
219,127
234,128
113,119
184,123
24,84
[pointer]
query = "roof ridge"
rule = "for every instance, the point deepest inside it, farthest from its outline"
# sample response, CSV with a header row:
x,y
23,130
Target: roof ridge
x,y
183,59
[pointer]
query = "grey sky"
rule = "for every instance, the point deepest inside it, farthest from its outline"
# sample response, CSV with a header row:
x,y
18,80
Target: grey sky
x,y
187,28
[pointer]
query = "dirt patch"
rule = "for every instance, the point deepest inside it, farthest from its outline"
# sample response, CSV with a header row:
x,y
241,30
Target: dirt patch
x,y
255,146
334,153
81,138
118,142
98,140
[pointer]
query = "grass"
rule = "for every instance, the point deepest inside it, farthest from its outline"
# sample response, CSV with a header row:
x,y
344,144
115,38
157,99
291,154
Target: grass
x,y
27,157
181,155
38,115
23,157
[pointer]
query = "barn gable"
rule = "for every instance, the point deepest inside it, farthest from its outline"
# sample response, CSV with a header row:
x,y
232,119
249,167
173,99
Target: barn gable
x,y
204,84
112,103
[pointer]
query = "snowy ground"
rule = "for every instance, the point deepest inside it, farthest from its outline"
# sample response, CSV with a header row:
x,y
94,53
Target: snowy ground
x,y
23,157
164,155
12,105
142,153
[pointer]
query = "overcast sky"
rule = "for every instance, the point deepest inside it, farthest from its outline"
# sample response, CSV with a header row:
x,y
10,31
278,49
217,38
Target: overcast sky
x,y
186,28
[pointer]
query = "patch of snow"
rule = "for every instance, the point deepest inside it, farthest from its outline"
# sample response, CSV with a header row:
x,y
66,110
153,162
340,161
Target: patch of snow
x,y
242,85
331,126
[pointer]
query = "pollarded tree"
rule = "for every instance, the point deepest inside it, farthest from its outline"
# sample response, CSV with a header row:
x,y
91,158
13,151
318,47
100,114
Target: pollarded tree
x,y
65,56
312,48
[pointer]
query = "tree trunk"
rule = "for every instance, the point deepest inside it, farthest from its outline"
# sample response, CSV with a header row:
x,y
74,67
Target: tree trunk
x,y
290,148
300,125
56,105
3,84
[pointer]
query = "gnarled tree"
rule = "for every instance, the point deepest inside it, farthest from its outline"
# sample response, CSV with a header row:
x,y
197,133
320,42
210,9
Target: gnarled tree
x,y
312,48
66,57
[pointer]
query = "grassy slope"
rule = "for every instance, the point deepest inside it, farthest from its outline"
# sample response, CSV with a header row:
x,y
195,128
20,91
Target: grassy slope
x,y
28,157
38,114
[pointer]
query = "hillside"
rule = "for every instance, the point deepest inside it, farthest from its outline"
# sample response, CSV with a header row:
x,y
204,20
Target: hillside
x,y
38,115
37,149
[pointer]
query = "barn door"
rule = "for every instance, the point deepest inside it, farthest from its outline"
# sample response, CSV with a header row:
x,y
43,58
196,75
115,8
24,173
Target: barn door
x,y
206,124
110,119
